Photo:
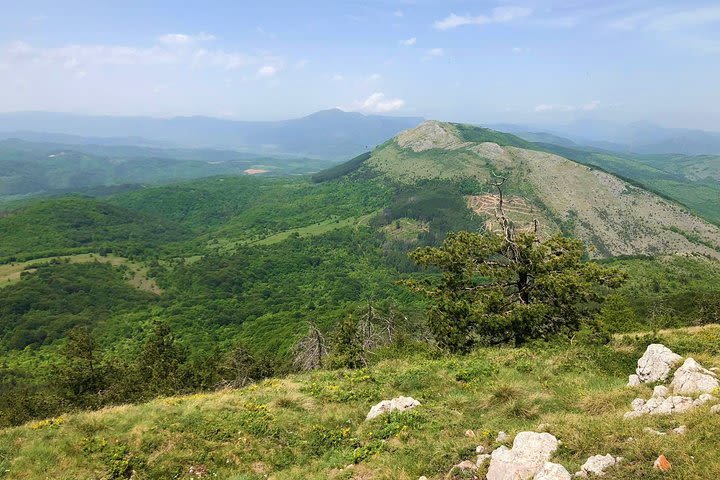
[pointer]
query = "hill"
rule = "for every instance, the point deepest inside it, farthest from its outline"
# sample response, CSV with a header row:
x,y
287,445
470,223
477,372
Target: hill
x,y
30,169
313,425
328,134
613,215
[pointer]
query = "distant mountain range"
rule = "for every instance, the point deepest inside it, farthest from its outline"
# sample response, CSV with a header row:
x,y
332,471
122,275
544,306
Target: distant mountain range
x,y
328,134
639,137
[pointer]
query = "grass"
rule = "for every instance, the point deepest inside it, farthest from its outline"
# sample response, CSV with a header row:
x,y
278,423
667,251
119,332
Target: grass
x,y
137,276
313,425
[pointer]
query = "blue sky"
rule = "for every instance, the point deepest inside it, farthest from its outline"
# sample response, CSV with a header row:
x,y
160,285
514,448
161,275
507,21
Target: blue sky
x,y
534,61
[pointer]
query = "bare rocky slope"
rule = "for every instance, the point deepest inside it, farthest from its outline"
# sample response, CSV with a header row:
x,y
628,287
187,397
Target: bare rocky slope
x,y
614,216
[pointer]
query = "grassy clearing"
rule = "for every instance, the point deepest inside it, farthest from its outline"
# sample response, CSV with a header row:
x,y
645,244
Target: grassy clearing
x,y
137,274
312,426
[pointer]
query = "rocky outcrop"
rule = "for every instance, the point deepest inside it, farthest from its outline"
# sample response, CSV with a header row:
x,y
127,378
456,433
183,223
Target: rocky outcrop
x,y
396,404
691,378
597,465
659,405
529,453
656,363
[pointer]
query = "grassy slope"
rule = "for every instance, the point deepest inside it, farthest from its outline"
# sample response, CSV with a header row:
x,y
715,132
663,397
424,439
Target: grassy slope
x,y
312,425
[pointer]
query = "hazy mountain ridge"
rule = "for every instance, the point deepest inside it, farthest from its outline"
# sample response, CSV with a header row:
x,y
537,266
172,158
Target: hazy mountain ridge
x,y
328,134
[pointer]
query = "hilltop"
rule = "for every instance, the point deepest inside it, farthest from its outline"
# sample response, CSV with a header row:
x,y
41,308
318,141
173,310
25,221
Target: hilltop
x,y
615,216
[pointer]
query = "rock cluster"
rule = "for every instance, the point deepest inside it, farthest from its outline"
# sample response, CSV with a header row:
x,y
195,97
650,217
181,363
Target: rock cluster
x,y
396,404
690,379
527,459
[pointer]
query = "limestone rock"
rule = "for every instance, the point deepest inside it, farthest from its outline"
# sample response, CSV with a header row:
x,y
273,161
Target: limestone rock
x,y
652,431
396,404
529,452
502,437
681,430
597,464
552,471
692,378
702,399
715,408
656,363
481,459
660,406
633,381
661,391
480,449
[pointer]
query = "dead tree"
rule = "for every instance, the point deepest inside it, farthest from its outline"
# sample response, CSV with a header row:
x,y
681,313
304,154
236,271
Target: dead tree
x,y
311,350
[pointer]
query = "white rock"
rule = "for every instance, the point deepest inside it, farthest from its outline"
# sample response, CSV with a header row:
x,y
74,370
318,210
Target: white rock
x,y
552,471
396,404
702,399
502,437
715,408
692,378
681,430
633,381
529,453
660,406
480,449
661,391
652,431
465,466
656,363
423,478
597,464
481,459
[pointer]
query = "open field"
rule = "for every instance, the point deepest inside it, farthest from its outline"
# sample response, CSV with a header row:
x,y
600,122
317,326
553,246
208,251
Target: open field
x,y
136,276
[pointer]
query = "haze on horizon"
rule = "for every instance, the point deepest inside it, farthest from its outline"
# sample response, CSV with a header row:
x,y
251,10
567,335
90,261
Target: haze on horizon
x,y
539,62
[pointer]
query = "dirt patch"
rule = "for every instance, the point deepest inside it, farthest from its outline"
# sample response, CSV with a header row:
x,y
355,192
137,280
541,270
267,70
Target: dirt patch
x,y
255,171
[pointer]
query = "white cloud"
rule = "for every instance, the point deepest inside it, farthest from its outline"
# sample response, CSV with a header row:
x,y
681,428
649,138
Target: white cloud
x,y
374,77
550,107
399,13
436,52
181,39
268,71
408,42
665,20
497,15
379,103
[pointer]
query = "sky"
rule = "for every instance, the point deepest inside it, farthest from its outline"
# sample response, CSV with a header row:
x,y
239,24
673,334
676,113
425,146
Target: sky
x,y
527,61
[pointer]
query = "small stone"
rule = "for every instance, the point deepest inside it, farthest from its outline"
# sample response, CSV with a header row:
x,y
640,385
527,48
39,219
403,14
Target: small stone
x,y
681,430
464,466
660,391
715,408
652,431
502,437
480,449
469,434
662,464
423,478
633,381
396,404
597,464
